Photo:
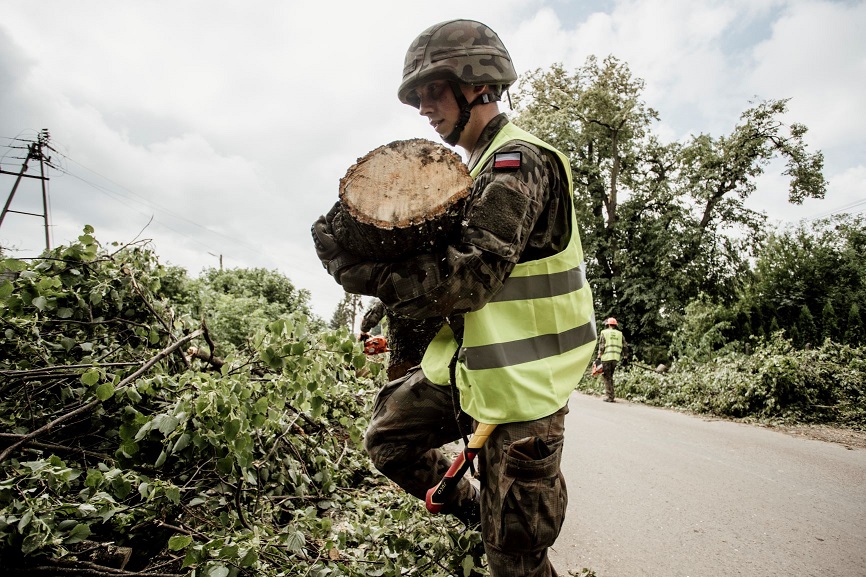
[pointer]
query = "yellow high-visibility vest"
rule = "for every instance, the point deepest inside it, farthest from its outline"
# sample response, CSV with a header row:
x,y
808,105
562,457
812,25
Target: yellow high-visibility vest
x,y
612,345
525,350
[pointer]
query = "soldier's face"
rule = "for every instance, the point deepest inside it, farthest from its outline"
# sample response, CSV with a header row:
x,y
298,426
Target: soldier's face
x,y
438,105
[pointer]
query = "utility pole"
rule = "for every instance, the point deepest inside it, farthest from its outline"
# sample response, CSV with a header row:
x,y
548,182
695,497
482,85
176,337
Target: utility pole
x,y
34,152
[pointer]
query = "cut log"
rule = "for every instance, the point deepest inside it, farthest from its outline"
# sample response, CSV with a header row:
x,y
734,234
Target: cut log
x,y
402,198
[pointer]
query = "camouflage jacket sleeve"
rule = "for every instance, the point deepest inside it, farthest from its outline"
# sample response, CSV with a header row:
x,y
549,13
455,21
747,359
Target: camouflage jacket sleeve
x,y
372,317
507,211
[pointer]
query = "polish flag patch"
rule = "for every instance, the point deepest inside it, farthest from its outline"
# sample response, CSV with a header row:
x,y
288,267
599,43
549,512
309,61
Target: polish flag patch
x,y
506,160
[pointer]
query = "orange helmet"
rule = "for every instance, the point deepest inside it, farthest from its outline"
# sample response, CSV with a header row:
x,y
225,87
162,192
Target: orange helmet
x,y
376,345
611,321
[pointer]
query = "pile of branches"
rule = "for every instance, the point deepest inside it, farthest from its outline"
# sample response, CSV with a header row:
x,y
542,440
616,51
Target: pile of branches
x,y
127,448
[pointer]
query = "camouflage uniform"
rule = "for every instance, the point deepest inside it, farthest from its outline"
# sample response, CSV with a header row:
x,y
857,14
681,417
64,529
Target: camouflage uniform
x,y
407,337
511,216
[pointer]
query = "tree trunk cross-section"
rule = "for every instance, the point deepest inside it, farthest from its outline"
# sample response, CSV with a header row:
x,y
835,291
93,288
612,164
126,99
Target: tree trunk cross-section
x,y
402,198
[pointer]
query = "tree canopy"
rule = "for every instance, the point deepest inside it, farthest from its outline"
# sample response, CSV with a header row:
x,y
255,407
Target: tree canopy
x,y
661,222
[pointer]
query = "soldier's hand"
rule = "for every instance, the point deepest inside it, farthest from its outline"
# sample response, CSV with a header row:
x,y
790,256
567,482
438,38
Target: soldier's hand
x,y
327,247
333,256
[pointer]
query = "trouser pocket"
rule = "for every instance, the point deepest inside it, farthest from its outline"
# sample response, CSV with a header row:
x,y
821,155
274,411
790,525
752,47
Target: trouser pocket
x,y
533,496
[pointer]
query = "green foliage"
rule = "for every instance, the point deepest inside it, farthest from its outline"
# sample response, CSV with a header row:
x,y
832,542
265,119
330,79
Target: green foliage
x,y
854,332
237,302
776,382
802,270
113,437
661,222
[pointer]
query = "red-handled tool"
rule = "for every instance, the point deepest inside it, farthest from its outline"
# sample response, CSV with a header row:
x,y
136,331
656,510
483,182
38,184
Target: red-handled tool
x,y
437,495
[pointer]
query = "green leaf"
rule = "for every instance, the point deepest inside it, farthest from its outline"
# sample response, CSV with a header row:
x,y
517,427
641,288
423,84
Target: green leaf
x,y
225,465
172,493
181,443
94,478
64,313
104,391
128,448
218,571
248,557
295,542
39,302
167,424
25,520
90,377
178,542
13,265
231,428
78,534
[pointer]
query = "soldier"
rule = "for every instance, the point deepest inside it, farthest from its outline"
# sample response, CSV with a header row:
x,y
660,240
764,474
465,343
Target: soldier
x,y
519,310
611,345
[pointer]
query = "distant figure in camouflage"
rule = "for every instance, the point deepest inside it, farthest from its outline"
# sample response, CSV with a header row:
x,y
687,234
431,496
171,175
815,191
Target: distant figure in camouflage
x,y
611,347
407,337
519,310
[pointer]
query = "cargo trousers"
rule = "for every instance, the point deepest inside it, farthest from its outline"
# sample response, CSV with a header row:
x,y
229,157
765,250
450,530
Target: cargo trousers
x,y
609,368
523,493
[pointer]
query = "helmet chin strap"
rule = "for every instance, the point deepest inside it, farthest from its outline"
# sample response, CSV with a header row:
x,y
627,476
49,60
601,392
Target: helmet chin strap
x,y
465,111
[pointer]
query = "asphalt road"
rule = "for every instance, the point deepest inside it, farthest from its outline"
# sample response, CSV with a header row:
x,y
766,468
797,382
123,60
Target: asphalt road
x,y
657,493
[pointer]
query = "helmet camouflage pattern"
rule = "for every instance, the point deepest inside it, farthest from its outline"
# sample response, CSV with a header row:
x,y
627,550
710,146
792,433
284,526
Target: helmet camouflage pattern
x,y
463,50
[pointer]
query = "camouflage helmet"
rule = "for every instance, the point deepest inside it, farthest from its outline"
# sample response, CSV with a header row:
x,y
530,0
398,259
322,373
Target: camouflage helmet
x,y
461,50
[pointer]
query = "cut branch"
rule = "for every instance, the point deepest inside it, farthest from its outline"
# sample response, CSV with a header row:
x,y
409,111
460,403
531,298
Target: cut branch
x,y
92,404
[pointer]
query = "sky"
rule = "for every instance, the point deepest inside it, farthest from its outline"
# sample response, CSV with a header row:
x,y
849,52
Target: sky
x,y
220,130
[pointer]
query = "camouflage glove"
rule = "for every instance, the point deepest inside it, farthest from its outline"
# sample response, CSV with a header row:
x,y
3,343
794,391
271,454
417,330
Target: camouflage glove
x,y
333,256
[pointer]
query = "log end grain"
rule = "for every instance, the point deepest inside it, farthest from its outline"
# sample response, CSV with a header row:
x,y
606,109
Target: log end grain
x,y
404,183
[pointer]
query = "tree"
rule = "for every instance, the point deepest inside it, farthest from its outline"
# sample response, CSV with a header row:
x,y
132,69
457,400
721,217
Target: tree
x,y
347,312
829,321
803,268
661,222
806,327
236,302
854,333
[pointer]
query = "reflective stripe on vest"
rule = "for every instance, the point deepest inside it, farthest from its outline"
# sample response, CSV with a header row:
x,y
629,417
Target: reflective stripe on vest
x,y
526,349
612,345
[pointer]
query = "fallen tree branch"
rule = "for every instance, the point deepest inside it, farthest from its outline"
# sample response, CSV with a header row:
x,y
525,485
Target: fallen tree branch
x,y
52,368
198,353
92,404
58,448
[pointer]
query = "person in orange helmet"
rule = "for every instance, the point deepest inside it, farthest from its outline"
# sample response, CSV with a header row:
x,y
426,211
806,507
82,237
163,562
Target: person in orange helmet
x,y
611,345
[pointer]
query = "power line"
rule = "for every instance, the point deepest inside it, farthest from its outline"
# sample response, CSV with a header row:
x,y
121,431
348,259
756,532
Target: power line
x,y
842,209
126,196
35,151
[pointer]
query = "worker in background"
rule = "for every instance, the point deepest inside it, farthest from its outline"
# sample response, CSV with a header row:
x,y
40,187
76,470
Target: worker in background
x,y
611,345
519,309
